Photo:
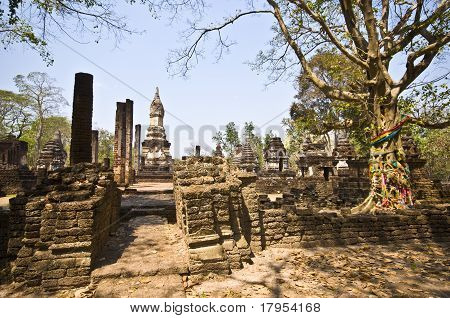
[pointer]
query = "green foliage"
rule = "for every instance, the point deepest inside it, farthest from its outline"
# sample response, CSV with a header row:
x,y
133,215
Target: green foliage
x,y
434,145
50,126
314,114
228,140
249,130
45,100
15,113
105,145
429,104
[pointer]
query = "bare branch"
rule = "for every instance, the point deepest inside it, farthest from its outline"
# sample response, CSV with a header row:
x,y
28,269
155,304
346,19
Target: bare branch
x,y
324,87
302,4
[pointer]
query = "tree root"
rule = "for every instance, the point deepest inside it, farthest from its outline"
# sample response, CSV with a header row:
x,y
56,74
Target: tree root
x,y
367,206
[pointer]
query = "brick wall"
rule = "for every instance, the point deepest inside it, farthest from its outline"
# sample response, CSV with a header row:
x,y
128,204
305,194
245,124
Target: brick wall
x,y
310,191
4,226
14,179
287,225
210,213
57,231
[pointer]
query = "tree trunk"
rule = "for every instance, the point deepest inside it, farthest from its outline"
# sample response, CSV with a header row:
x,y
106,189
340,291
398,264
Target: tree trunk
x,y
388,171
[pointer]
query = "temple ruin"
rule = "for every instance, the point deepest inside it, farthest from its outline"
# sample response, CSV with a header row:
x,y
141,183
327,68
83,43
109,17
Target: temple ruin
x,y
275,156
14,173
156,160
56,230
88,225
52,156
123,143
80,142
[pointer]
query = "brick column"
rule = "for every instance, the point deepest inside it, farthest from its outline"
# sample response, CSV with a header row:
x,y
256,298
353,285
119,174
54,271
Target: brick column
x,y
80,146
94,143
137,148
119,144
129,173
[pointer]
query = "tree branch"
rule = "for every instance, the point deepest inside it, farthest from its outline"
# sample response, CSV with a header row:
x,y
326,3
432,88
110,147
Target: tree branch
x,y
325,88
350,20
417,27
302,4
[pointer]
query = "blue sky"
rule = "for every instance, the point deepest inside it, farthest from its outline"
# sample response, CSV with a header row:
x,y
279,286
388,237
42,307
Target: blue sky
x,y
213,95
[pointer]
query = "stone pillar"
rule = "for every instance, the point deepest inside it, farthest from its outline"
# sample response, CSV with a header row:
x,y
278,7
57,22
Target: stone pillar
x,y
137,148
94,143
129,172
106,163
119,144
197,151
80,146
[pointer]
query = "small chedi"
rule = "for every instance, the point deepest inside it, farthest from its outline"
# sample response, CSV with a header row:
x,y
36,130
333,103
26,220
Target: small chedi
x,y
52,156
314,160
275,156
244,157
156,161
343,152
218,152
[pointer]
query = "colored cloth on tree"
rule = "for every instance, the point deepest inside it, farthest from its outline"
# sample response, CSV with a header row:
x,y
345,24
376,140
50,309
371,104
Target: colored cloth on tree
x,y
390,133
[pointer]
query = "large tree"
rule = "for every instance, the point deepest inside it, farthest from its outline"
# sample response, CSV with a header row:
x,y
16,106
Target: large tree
x,y
45,100
49,126
105,145
374,36
15,113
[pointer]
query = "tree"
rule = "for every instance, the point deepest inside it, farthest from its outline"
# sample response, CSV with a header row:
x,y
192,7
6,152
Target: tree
x,y
105,144
312,113
371,35
45,100
434,145
35,23
48,127
15,113
231,138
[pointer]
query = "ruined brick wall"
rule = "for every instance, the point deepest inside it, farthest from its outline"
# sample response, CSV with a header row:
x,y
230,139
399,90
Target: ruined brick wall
x,y
57,231
223,212
353,185
4,228
14,180
284,224
309,191
210,213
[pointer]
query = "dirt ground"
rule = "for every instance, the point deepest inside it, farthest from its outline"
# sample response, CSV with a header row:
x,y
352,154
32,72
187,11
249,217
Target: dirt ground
x,y
412,270
148,258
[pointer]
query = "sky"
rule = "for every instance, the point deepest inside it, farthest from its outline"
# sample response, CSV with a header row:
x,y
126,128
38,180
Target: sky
x,y
214,93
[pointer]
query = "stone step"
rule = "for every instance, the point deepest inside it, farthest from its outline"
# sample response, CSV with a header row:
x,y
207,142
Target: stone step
x,y
165,211
139,191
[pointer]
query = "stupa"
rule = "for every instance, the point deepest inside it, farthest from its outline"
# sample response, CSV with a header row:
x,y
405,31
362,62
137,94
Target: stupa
x,y
275,156
156,161
53,155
